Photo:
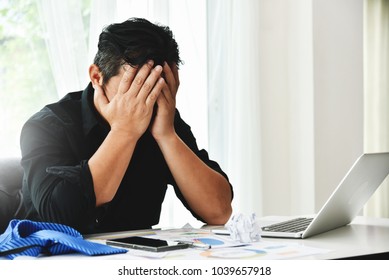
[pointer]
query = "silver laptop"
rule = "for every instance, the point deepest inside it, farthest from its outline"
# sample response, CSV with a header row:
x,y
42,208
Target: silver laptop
x,y
344,204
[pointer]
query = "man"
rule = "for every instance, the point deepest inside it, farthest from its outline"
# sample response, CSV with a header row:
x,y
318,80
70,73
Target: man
x,y
100,160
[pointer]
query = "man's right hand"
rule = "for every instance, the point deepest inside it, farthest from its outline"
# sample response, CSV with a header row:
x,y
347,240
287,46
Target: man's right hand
x,y
130,110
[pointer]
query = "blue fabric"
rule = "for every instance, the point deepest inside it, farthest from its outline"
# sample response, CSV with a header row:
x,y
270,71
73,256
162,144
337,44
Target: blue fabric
x,y
29,238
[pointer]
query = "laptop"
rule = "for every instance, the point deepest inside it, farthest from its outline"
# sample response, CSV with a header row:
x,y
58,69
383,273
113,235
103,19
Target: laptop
x,y
344,204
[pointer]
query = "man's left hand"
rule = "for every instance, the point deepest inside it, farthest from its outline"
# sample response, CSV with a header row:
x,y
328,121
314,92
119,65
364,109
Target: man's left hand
x,y
163,125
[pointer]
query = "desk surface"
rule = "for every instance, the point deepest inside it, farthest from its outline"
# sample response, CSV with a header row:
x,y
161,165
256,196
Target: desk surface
x,y
365,238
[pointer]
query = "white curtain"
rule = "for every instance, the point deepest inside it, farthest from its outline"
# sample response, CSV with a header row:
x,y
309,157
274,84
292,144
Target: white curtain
x,y
376,80
233,89
66,43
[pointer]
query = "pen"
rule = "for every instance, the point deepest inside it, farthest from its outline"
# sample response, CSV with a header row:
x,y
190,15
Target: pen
x,y
195,244
221,232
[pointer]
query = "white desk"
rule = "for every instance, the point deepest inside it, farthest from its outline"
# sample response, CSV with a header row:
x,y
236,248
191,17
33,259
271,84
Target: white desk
x,y
364,238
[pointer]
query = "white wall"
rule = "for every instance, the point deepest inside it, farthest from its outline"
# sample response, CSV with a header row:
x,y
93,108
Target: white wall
x,y
338,86
311,88
286,89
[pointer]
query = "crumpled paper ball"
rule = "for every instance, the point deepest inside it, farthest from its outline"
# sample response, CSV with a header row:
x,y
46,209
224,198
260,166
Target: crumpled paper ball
x,y
244,228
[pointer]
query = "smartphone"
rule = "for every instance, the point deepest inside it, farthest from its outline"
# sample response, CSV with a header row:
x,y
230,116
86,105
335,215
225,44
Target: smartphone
x,y
147,244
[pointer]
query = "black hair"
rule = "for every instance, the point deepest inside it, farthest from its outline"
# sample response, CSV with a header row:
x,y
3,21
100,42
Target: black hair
x,y
134,42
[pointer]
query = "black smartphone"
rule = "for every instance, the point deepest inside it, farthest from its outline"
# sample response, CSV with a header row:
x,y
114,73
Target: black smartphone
x,y
147,244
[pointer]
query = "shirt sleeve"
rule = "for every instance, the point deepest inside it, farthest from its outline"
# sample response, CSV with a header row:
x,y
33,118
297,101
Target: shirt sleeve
x,y
185,133
59,184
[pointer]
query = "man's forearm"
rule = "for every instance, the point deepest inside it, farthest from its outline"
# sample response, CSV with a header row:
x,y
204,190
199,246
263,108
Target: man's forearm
x,y
109,164
207,192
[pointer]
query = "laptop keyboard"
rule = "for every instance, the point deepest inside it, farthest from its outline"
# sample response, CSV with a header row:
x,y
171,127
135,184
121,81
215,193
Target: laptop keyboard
x,y
295,225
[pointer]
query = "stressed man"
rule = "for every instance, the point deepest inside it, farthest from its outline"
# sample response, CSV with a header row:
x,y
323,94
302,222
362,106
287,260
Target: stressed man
x,y
101,159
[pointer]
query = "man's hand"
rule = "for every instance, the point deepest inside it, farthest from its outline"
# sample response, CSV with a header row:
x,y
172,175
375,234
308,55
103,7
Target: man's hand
x,y
129,111
163,125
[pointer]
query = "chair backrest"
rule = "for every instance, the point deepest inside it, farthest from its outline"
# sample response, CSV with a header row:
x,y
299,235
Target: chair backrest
x,y
11,197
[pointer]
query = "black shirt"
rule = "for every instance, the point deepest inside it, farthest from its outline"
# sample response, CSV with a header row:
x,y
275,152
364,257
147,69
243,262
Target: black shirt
x,y
57,143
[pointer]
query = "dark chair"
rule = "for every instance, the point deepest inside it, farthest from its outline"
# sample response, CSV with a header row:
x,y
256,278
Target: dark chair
x,y
11,197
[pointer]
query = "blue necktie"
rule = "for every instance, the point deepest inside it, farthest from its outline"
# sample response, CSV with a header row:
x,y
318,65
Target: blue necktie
x,y
28,238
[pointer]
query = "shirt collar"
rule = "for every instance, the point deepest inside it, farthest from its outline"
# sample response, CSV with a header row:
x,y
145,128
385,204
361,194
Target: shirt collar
x,y
90,117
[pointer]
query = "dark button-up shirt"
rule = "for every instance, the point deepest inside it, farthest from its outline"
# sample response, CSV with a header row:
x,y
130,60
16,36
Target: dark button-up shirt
x,y
57,143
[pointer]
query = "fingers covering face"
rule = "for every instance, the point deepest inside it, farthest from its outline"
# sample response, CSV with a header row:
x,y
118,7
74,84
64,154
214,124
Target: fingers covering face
x,y
127,79
145,83
155,92
149,83
139,82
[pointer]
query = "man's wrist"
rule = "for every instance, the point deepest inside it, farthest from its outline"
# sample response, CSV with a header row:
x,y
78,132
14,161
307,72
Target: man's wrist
x,y
167,139
124,134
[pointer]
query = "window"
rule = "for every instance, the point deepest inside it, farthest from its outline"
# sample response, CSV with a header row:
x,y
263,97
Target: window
x,y
26,74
